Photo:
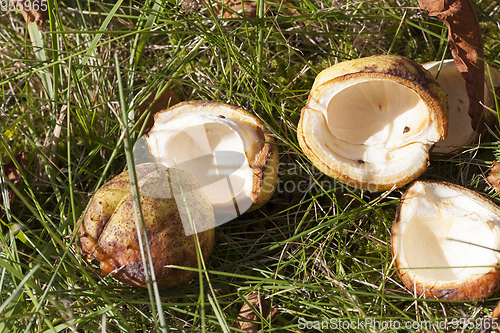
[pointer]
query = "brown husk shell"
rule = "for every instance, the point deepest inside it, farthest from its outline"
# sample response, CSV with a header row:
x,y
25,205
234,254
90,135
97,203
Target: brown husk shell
x,y
108,229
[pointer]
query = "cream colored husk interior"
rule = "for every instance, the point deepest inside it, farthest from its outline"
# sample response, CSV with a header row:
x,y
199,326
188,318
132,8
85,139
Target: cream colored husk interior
x,y
371,127
460,132
445,228
211,148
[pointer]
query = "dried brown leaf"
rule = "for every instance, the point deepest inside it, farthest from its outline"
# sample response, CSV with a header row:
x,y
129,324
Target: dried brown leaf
x,y
495,317
232,8
494,178
14,175
466,44
32,11
496,312
249,321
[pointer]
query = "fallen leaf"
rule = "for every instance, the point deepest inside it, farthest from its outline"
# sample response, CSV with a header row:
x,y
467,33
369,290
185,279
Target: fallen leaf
x,y
494,178
466,44
249,321
14,175
495,316
233,8
34,11
167,99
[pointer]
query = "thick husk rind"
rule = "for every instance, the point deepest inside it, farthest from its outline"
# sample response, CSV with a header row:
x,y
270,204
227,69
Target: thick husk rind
x,y
308,124
382,67
267,176
262,157
404,71
470,290
474,288
108,230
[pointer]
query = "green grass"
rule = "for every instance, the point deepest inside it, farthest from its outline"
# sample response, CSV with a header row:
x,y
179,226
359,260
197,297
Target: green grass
x,y
69,92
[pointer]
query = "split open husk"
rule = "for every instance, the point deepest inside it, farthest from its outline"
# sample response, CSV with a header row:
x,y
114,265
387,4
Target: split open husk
x,y
460,131
228,150
371,122
445,242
